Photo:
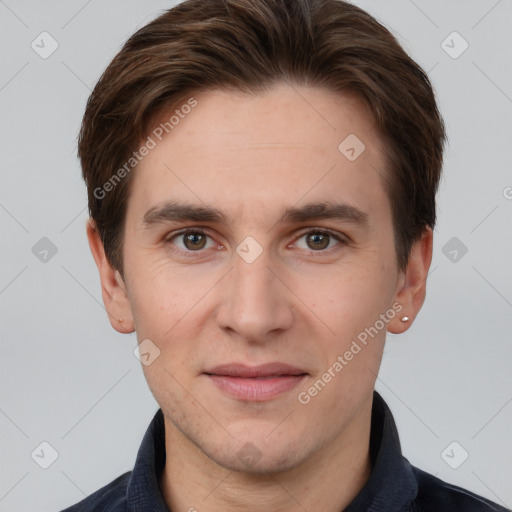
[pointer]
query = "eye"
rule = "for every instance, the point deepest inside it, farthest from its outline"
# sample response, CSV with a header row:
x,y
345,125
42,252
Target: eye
x,y
192,240
195,240
319,240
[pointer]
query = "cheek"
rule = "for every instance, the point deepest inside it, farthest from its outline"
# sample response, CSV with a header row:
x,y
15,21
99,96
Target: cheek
x,y
347,294
161,294
350,303
169,304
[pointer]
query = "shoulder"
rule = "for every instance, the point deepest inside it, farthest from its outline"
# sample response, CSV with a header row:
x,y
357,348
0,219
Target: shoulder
x,y
110,498
435,494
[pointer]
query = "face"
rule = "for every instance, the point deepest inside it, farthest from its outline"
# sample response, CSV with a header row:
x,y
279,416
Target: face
x,y
259,263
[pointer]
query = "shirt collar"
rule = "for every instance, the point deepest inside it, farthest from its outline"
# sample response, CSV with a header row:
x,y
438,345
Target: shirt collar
x,y
143,492
391,486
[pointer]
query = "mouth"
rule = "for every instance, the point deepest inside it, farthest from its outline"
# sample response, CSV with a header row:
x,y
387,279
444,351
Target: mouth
x,y
255,383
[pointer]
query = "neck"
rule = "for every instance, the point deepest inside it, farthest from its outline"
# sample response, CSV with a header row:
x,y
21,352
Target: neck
x,y
328,480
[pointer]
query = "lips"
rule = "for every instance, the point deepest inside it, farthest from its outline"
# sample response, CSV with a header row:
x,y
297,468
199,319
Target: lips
x,y
247,372
255,383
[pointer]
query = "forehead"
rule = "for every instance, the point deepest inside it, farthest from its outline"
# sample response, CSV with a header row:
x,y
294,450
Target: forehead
x,y
250,153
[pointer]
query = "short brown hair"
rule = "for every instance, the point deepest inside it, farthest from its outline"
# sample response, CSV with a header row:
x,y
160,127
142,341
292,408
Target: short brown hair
x,y
248,45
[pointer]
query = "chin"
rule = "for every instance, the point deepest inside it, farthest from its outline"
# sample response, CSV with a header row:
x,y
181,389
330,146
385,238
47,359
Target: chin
x,y
264,464
253,454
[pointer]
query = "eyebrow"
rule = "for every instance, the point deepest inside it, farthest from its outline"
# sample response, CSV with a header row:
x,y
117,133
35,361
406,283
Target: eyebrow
x,y
178,211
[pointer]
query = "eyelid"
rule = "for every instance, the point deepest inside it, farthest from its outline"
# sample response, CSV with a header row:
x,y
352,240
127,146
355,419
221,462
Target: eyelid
x,y
316,229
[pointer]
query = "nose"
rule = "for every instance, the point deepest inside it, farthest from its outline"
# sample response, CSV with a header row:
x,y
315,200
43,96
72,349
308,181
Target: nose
x,y
255,302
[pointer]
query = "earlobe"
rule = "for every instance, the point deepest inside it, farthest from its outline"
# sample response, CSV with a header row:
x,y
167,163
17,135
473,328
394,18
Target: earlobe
x,y
411,288
113,288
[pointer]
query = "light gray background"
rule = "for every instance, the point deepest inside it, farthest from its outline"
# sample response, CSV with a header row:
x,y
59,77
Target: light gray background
x,y
67,378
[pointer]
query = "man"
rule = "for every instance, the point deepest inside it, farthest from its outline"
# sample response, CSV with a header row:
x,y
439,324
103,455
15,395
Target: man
x,y
261,178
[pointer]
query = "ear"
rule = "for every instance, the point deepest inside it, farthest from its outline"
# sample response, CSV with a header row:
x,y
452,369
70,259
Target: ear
x,y
411,285
113,288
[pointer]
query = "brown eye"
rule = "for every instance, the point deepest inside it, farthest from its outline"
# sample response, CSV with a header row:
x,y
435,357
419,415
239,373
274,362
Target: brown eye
x,y
320,241
189,241
317,240
194,240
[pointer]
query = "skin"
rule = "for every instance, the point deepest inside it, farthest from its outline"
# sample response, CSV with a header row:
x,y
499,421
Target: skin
x,y
251,156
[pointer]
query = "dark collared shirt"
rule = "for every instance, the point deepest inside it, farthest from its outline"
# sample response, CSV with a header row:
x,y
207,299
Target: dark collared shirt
x,y
394,485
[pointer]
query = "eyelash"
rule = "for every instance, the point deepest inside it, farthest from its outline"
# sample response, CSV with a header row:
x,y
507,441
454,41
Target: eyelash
x,y
198,231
